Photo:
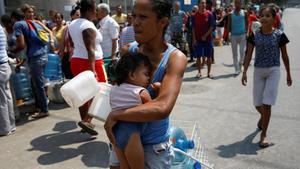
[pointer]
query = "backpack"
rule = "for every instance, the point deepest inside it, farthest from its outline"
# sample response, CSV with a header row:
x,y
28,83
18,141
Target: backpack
x,y
38,32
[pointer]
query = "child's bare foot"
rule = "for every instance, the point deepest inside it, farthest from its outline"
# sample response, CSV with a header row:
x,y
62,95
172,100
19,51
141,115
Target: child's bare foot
x,y
210,76
263,143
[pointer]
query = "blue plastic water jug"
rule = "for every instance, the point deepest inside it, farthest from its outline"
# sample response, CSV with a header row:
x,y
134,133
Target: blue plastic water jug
x,y
179,140
53,68
191,164
22,87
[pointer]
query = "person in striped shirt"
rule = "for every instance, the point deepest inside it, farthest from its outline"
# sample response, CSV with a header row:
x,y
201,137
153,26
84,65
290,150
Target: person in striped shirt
x,y
127,34
7,117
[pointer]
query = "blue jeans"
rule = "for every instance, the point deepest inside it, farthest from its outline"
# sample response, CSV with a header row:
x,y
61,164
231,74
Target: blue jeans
x,y
36,68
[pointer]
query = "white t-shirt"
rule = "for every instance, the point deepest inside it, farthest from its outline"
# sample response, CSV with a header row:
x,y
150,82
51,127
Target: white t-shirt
x,y
75,29
109,30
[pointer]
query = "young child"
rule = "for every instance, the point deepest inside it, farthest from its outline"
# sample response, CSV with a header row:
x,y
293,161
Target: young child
x,y
132,74
269,42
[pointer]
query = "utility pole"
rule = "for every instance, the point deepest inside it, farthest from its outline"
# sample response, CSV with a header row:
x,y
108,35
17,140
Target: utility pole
x,y
2,8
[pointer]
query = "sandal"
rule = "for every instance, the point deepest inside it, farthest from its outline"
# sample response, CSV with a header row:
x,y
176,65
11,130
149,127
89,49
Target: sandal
x,y
39,115
263,143
210,76
88,127
198,75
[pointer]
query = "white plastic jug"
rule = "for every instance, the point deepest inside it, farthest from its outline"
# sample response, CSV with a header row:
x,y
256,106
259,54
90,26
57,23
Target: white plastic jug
x,y
100,107
80,89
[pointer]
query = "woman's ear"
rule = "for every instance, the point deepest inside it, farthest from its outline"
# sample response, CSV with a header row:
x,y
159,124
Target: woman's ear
x,y
164,22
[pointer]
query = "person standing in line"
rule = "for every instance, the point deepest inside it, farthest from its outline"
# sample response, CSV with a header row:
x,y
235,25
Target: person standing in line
x,y
203,25
189,35
120,17
58,29
7,115
87,55
127,33
109,30
237,27
269,43
65,48
177,26
150,21
37,56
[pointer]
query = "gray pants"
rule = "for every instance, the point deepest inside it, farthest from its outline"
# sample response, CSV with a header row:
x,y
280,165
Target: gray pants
x,y
7,117
236,41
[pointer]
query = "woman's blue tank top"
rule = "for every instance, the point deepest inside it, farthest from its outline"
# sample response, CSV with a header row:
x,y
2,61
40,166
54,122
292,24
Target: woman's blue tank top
x,y
157,131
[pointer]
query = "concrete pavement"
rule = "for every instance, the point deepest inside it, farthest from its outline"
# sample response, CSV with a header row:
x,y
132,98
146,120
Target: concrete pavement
x,y
222,107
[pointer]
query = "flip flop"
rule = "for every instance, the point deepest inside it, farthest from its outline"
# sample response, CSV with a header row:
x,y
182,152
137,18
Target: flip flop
x,y
263,144
198,75
88,127
210,76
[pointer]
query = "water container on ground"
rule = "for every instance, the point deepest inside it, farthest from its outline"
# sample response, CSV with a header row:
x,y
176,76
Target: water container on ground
x,y
22,87
180,141
80,89
53,68
100,107
54,94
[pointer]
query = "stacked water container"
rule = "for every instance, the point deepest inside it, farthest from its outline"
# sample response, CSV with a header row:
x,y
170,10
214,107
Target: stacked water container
x,y
22,85
53,68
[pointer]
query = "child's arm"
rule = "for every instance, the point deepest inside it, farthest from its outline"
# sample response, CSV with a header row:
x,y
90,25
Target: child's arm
x,y
247,61
145,96
286,62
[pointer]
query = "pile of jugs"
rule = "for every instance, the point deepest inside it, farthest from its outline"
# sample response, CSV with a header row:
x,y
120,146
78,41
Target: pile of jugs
x,y
85,87
179,141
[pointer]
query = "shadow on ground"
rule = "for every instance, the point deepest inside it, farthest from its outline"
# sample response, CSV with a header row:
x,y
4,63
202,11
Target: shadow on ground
x,y
246,147
55,146
224,76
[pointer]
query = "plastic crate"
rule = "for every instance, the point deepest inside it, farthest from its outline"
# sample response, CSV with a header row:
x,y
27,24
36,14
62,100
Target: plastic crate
x,y
192,132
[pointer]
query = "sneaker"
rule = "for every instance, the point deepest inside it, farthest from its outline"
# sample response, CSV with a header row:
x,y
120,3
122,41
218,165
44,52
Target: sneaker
x,y
236,72
39,115
88,127
191,60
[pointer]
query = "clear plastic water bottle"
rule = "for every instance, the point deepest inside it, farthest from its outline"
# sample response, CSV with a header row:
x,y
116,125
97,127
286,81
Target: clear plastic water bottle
x,y
179,140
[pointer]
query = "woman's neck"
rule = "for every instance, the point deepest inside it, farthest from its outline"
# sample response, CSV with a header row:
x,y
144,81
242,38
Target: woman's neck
x,y
267,30
154,49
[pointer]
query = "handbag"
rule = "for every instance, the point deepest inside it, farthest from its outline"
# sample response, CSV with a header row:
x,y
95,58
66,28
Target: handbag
x,y
41,33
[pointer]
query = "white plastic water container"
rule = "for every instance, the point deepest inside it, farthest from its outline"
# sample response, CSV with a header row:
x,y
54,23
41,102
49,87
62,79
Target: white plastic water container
x,y
100,107
80,89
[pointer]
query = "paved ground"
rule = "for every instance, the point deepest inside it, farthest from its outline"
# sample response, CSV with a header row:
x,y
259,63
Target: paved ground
x,y
222,107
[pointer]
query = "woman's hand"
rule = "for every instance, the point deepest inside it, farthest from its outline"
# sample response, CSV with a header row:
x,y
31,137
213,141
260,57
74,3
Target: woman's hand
x,y
289,80
244,79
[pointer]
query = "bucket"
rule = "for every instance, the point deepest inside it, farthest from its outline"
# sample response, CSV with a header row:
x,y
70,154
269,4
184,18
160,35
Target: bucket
x,y
80,89
100,107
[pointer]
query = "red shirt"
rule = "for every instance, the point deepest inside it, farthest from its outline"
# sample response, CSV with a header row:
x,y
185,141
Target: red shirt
x,y
277,21
251,18
202,22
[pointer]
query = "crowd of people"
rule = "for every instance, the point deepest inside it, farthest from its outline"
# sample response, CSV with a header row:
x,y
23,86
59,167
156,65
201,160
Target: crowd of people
x,y
153,42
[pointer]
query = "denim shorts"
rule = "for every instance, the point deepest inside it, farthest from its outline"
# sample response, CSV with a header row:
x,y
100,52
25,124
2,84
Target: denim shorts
x,y
203,49
123,131
158,156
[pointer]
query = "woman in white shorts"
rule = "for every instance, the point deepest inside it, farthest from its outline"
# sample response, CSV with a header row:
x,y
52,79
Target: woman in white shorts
x,y
268,43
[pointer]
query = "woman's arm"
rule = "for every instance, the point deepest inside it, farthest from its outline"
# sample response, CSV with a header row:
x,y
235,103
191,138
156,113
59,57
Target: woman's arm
x,y
162,106
89,38
61,50
286,63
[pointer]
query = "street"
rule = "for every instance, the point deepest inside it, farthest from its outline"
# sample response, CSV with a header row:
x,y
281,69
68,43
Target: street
x,y
222,107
